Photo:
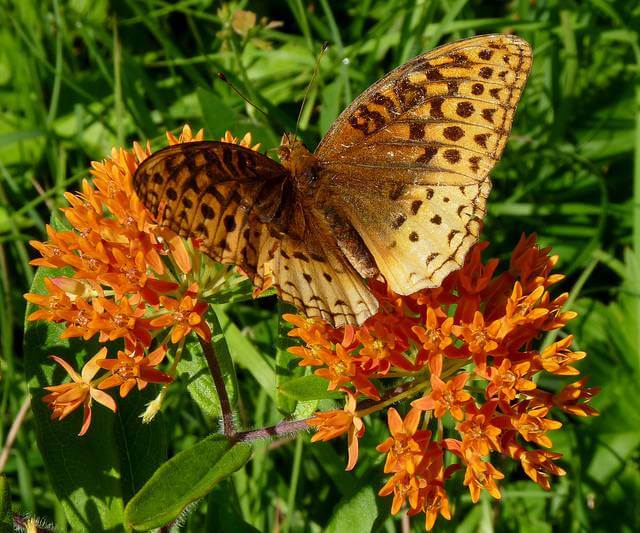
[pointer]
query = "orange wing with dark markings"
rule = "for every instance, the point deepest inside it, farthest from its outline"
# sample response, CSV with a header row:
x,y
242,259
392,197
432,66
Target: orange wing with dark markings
x,y
218,192
407,163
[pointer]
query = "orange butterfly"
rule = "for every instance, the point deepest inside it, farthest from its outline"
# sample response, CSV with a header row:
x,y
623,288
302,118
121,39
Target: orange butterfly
x,y
397,187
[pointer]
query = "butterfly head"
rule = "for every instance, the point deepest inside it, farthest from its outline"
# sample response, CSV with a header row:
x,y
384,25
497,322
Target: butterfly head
x,y
296,157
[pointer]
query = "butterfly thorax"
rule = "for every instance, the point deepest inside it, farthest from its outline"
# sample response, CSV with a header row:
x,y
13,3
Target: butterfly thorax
x,y
300,163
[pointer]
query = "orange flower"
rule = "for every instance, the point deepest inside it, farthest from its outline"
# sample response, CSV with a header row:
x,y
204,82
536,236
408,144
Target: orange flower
x,y
539,465
435,339
310,330
481,475
534,427
403,486
331,424
342,367
131,369
66,398
478,434
116,320
383,347
480,339
52,304
184,316
523,308
435,502
557,358
405,447
569,398
509,379
449,396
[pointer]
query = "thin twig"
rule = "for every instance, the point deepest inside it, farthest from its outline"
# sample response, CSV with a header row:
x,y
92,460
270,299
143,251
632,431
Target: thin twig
x,y
13,432
218,380
286,427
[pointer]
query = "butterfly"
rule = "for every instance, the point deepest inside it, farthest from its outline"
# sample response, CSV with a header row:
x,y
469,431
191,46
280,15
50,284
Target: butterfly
x,y
397,187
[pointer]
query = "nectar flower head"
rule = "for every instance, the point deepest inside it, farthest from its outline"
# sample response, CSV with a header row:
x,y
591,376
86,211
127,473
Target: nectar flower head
x,y
461,358
131,281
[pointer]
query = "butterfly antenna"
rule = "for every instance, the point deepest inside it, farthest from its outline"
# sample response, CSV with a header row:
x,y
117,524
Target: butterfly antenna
x,y
222,76
316,67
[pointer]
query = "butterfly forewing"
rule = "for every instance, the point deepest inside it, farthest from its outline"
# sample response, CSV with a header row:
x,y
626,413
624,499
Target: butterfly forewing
x,y
216,192
408,162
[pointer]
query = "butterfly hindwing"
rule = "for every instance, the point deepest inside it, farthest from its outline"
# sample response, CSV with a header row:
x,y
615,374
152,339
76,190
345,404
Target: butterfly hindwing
x,y
311,273
408,162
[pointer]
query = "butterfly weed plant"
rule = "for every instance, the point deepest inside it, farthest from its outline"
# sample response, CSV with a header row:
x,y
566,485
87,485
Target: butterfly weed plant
x,y
455,371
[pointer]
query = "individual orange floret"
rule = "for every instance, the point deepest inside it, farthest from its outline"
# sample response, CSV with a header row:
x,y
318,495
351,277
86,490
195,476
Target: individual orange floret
x,y
436,340
66,398
404,487
343,367
310,330
52,304
523,308
481,475
331,424
509,379
183,316
573,399
533,426
480,339
479,435
446,396
383,347
405,447
435,502
557,358
134,368
539,466
120,320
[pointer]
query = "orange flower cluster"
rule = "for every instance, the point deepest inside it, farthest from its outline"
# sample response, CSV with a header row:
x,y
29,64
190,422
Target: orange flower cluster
x,y
464,355
125,279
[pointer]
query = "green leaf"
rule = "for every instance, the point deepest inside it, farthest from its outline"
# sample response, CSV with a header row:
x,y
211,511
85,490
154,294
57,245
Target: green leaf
x,y
245,354
94,475
355,513
194,370
308,388
185,478
6,516
223,511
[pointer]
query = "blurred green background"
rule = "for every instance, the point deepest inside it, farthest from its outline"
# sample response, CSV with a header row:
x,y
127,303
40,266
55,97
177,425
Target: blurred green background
x,y
78,77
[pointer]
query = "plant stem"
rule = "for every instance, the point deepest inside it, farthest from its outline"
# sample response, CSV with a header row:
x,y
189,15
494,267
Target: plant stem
x,y
218,380
287,427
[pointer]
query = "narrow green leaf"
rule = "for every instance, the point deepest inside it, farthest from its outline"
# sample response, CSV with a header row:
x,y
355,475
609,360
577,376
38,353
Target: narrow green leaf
x,y
6,517
94,475
185,478
308,388
245,354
